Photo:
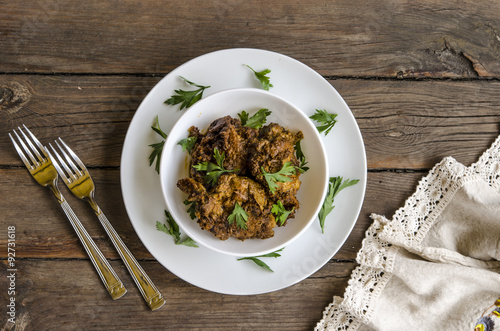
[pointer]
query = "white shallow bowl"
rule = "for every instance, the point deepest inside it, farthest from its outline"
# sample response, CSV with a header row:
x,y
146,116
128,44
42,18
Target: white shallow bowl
x,y
174,166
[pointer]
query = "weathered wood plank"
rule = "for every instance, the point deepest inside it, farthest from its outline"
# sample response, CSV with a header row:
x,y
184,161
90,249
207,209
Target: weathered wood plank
x,y
68,295
391,38
405,124
43,231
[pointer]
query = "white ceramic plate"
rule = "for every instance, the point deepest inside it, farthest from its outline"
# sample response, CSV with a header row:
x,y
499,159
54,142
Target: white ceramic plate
x,y
201,266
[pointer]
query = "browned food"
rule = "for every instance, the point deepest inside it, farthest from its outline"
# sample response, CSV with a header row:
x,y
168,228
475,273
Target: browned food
x,y
246,152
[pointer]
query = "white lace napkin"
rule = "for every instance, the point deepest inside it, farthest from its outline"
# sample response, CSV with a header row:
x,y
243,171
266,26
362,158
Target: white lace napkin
x,y
436,264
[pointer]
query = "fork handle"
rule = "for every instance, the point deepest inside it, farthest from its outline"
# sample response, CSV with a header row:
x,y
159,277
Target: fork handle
x,y
150,293
113,284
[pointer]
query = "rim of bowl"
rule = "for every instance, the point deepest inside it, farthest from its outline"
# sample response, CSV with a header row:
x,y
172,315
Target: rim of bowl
x,y
194,108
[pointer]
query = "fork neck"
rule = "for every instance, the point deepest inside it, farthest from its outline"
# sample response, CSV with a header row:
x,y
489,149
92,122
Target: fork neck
x,y
53,187
94,205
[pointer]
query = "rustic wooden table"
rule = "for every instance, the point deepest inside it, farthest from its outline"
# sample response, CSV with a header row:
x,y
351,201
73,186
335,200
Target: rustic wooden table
x,y
421,78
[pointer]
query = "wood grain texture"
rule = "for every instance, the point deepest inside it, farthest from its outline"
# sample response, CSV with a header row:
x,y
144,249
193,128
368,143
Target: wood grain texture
x,y
44,232
68,295
421,78
392,38
405,124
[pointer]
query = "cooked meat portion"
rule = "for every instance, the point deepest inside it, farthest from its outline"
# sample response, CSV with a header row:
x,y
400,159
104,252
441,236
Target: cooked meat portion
x,y
228,136
274,147
240,178
216,206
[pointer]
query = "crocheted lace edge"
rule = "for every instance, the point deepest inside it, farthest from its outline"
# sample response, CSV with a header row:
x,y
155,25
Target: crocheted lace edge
x,y
376,257
411,223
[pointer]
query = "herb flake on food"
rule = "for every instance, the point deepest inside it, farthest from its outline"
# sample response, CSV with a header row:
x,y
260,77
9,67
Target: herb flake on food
x,y
335,185
261,76
272,179
187,98
239,215
257,120
259,262
213,171
187,143
280,212
192,208
157,147
326,119
301,157
173,230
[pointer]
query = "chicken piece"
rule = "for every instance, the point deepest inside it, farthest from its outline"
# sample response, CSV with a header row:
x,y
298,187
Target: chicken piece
x,y
229,137
214,207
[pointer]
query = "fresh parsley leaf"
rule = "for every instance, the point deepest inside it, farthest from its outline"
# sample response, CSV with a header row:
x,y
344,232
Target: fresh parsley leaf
x,y
301,157
186,98
192,208
261,76
327,119
257,261
261,263
335,185
280,176
157,147
243,117
173,230
187,143
214,171
239,215
256,120
280,212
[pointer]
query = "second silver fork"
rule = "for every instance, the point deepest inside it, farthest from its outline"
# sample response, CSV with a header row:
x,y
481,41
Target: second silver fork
x,y
78,180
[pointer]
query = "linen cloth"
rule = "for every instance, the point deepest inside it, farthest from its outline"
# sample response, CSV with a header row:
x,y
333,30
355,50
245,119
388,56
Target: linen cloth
x,y
436,264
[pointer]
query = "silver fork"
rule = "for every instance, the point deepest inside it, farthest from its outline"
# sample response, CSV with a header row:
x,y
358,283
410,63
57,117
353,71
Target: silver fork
x,y
77,178
39,165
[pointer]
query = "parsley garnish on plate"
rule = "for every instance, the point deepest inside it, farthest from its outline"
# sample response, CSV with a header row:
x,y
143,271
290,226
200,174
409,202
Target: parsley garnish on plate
x,y
173,230
256,120
335,185
157,147
280,212
261,76
214,171
326,119
281,176
259,262
239,215
186,98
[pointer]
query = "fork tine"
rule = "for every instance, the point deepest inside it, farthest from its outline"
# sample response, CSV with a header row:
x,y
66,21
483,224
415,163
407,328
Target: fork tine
x,y
69,160
20,152
37,142
33,149
27,151
75,157
57,163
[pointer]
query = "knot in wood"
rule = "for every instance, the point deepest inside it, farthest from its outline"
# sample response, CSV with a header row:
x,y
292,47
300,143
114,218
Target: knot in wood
x,y
5,95
13,96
